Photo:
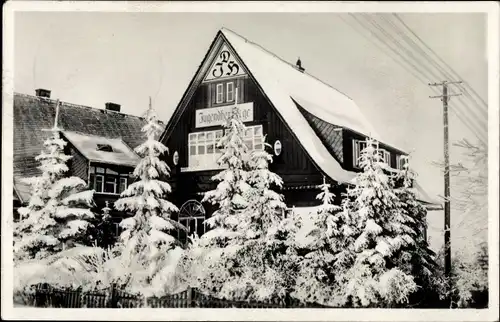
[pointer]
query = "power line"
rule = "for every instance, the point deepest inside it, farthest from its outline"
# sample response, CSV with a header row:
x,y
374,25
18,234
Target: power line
x,y
436,65
478,119
410,54
398,60
455,74
473,128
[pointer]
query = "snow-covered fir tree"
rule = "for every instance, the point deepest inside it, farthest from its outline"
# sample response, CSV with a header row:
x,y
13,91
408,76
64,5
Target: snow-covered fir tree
x,y
422,264
229,198
148,233
232,186
58,212
321,239
381,274
262,268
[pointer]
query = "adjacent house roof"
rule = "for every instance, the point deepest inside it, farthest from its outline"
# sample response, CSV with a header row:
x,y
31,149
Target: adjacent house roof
x,y
33,113
102,149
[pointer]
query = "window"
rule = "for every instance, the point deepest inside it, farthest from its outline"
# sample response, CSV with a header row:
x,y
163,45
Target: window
x,y
230,92
219,93
99,183
386,156
204,149
225,92
401,161
106,180
123,185
254,138
110,185
358,146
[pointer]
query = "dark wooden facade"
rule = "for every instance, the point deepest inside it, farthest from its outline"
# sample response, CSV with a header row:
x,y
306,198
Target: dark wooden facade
x,y
294,165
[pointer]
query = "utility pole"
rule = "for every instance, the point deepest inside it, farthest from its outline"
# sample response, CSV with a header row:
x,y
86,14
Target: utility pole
x,y
447,218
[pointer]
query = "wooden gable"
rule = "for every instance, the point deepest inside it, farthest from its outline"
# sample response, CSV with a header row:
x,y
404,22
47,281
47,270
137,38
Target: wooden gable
x,y
293,164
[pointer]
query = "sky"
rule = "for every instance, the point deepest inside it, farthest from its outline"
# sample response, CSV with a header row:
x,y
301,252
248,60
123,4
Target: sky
x,y
94,58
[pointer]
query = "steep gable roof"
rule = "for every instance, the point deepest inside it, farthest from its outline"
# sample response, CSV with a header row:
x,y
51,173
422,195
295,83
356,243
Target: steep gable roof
x,y
284,86
32,114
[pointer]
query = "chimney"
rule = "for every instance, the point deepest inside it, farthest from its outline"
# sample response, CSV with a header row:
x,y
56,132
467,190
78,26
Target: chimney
x,y
298,64
40,92
113,107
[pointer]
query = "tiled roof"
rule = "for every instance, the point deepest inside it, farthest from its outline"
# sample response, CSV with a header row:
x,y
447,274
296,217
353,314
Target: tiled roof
x,y
328,133
32,114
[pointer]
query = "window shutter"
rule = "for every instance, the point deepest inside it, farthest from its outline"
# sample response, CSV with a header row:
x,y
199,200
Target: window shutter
x,y
212,93
355,148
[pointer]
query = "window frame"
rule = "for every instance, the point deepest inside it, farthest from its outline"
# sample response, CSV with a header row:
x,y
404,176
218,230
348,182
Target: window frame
x,y
210,141
122,177
219,91
107,178
232,92
386,156
399,164
356,152
102,182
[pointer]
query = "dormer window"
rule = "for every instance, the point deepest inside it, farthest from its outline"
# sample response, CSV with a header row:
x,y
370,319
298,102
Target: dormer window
x,y
401,161
386,156
358,146
104,147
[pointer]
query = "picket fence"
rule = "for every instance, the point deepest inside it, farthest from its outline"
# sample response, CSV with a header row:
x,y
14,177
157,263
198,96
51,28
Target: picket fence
x,y
44,295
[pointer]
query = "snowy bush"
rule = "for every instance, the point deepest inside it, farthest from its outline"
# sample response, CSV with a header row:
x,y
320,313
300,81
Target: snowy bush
x,y
58,212
60,270
146,239
468,286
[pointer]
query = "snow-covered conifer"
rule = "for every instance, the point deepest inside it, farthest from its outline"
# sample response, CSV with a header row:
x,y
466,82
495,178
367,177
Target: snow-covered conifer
x,y
229,198
58,211
147,232
381,274
321,239
422,264
229,194
261,265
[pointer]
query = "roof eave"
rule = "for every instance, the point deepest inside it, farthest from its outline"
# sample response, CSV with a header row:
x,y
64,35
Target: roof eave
x,y
127,164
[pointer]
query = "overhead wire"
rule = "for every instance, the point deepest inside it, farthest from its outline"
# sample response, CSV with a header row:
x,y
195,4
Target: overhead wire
x,y
462,117
478,113
456,75
423,76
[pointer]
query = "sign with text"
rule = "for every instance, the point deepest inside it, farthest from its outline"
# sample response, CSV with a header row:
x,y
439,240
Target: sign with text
x,y
217,115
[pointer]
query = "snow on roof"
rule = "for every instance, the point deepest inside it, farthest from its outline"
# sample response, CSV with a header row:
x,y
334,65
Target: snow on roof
x,y
283,84
121,153
312,94
266,71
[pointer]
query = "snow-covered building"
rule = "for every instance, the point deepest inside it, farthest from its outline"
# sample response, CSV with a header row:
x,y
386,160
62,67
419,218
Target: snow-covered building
x,y
100,141
314,130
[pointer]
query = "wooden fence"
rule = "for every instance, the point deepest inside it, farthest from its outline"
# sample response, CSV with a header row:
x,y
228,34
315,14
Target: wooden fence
x,y
44,295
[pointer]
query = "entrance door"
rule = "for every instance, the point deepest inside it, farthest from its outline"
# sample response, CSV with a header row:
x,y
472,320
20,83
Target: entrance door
x,y
191,216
